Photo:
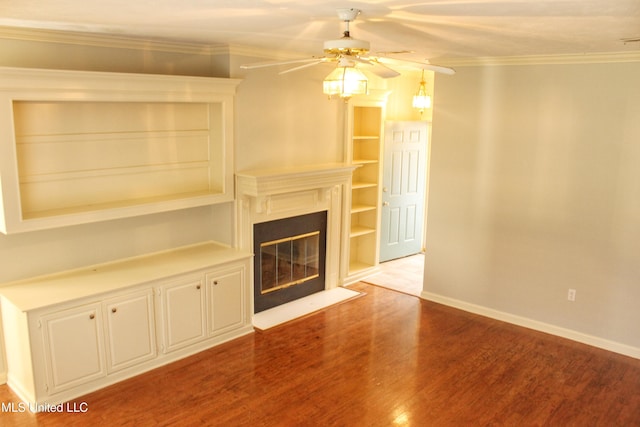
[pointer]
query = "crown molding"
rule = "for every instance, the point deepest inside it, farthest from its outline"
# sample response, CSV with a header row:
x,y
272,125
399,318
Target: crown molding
x,y
267,54
584,58
122,42
103,40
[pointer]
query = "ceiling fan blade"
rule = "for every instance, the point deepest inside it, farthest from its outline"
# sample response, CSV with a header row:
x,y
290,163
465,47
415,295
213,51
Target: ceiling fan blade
x,y
418,64
276,63
310,64
439,69
379,69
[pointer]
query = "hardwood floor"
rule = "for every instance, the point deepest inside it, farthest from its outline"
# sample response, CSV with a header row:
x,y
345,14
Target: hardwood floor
x,y
383,359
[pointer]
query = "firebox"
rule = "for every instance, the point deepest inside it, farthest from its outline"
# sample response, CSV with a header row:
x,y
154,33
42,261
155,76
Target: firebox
x,y
289,261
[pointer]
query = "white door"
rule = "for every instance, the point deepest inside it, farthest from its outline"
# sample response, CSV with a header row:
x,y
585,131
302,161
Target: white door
x,y
403,189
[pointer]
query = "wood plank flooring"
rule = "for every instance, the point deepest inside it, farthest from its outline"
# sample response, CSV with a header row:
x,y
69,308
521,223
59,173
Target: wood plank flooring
x,y
384,359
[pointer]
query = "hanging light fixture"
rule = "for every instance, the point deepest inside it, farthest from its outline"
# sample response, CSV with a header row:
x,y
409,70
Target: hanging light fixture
x,y
421,100
345,81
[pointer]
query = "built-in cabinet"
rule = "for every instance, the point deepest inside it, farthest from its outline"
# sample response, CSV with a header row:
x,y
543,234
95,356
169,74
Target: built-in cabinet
x,y
89,341
364,150
74,332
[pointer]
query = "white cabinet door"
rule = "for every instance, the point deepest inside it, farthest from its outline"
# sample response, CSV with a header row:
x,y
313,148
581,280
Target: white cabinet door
x,y
130,330
73,347
183,312
226,299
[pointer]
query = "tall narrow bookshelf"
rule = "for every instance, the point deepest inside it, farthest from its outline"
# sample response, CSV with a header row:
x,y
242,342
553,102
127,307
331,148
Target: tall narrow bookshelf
x,y
364,149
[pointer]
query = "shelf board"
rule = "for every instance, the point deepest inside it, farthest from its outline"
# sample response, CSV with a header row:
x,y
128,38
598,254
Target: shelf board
x,y
365,161
355,267
357,185
358,230
366,137
362,208
195,198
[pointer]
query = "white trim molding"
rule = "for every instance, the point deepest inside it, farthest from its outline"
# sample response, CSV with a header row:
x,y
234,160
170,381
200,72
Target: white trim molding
x,y
579,58
525,322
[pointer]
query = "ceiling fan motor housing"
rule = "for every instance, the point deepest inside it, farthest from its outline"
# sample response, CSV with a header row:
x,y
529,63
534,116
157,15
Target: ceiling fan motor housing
x,y
348,14
346,46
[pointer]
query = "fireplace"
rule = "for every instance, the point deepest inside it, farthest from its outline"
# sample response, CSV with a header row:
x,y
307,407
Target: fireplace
x,y
272,198
289,259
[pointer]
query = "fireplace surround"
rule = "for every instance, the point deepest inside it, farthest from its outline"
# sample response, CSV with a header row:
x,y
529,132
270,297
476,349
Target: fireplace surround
x,y
273,194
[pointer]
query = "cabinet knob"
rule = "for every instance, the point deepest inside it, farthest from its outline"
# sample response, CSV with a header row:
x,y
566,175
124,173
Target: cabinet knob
x,y
215,282
198,287
113,310
385,203
92,316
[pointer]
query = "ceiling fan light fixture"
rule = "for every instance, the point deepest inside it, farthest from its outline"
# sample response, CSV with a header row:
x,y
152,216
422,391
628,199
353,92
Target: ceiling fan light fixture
x,y
422,100
345,81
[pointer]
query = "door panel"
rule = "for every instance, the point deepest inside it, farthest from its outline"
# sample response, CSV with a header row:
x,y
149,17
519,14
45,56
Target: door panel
x,y
73,347
404,177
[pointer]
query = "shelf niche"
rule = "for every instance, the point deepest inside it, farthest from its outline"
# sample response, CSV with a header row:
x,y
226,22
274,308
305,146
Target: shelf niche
x,y
364,150
82,147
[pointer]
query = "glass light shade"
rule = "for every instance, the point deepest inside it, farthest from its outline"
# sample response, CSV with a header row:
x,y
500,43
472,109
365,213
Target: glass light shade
x,y
421,102
345,82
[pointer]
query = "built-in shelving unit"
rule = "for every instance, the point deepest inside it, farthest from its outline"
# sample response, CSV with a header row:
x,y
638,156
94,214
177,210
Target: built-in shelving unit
x,y
89,146
364,150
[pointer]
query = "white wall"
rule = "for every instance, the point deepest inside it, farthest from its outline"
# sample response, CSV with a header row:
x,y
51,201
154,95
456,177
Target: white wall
x,y
535,189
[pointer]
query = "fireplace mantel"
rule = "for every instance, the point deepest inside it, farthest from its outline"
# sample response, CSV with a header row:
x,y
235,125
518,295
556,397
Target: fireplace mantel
x,y
270,194
264,182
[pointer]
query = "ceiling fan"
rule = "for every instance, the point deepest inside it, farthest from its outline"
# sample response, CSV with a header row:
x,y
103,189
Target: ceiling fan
x,y
350,52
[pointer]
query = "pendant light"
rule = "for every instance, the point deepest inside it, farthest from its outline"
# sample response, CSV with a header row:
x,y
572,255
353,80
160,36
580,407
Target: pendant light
x,y
421,100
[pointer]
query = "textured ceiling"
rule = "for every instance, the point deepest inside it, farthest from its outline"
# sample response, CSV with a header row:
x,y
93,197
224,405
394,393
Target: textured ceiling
x,y
431,29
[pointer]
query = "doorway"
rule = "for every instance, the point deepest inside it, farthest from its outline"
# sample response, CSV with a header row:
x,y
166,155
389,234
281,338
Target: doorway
x,y
403,189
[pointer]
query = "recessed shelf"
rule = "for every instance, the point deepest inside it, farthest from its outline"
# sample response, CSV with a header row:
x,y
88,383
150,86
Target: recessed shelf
x,y
365,122
365,161
356,267
357,185
91,146
356,208
358,230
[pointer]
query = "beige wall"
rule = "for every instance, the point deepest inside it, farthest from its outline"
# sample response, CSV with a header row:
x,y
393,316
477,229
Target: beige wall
x,y
535,189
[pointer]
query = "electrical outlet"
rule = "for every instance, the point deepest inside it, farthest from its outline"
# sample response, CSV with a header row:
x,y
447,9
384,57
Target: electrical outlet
x,y
571,295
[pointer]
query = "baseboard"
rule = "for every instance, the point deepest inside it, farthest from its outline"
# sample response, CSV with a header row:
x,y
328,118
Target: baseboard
x,y
570,334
